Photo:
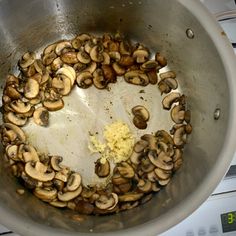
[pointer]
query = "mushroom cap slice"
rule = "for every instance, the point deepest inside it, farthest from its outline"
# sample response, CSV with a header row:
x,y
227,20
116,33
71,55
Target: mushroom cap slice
x,y
54,105
96,53
136,77
180,136
130,197
67,71
99,80
31,89
152,76
144,186
55,163
105,202
27,59
119,70
83,57
163,136
126,170
69,57
38,172
58,204
102,169
67,196
29,153
73,182
178,114
20,107
139,122
12,152
149,65
67,86
16,119
46,195
19,133
160,59
168,74
61,45
141,111
169,99
141,55
140,146
84,79
41,116
162,174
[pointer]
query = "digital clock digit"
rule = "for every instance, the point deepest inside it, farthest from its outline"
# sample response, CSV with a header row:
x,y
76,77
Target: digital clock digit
x,y
228,221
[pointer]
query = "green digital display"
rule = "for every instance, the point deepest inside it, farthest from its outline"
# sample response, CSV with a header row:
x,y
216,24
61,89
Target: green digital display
x,y
228,221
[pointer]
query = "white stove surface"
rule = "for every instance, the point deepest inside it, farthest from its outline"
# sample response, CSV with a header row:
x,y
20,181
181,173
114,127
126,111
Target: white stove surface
x,y
206,220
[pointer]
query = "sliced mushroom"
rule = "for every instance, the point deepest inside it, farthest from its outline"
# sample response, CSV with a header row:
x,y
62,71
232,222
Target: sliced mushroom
x,y
136,77
49,58
91,67
152,76
102,169
126,61
178,114
139,122
163,182
130,197
149,65
125,48
28,153
140,146
84,79
161,160
69,57
61,45
63,174
41,116
144,186
160,59
11,92
20,107
47,195
38,171
67,86
55,163
58,184
67,71
31,88
106,58
188,129
146,165
96,53
156,187
27,59
88,46
54,105
135,158
58,204
125,170
117,179
12,79
73,182
187,116
83,37
141,111
106,202
168,74
141,55
12,152
67,196
164,136
16,119
50,48
170,99
109,73
114,55
162,174
179,137
118,69
99,80
56,64
83,57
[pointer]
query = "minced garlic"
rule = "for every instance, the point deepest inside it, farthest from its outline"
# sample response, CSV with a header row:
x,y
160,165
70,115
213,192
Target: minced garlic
x,y
118,145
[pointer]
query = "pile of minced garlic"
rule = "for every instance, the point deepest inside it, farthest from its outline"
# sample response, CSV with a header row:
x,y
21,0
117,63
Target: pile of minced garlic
x,y
118,144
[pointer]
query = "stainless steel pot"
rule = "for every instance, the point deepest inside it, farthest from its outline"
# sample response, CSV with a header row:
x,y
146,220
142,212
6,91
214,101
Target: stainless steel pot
x,y
206,66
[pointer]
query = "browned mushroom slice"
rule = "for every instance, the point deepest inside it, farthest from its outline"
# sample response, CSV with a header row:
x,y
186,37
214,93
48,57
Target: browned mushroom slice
x,y
69,57
163,87
188,128
149,65
141,55
187,116
163,182
136,77
67,196
161,161
67,71
31,88
178,114
151,139
27,59
107,202
20,107
99,80
62,45
41,116
135,158
53,105
125,48
114,55
49,58
152,76
28,153
55,163
96,53
118,69
168,74
162,174
139,122
160,59
126,61
58,204
84,79
130,197
164,136
74,181
170,99
109,73
146,165
83,37
125,170
38,171
180,137
140,146
141,111
16,119
83,57
47,195
144,186
152,177
12,92
102,168
177,164
128,205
